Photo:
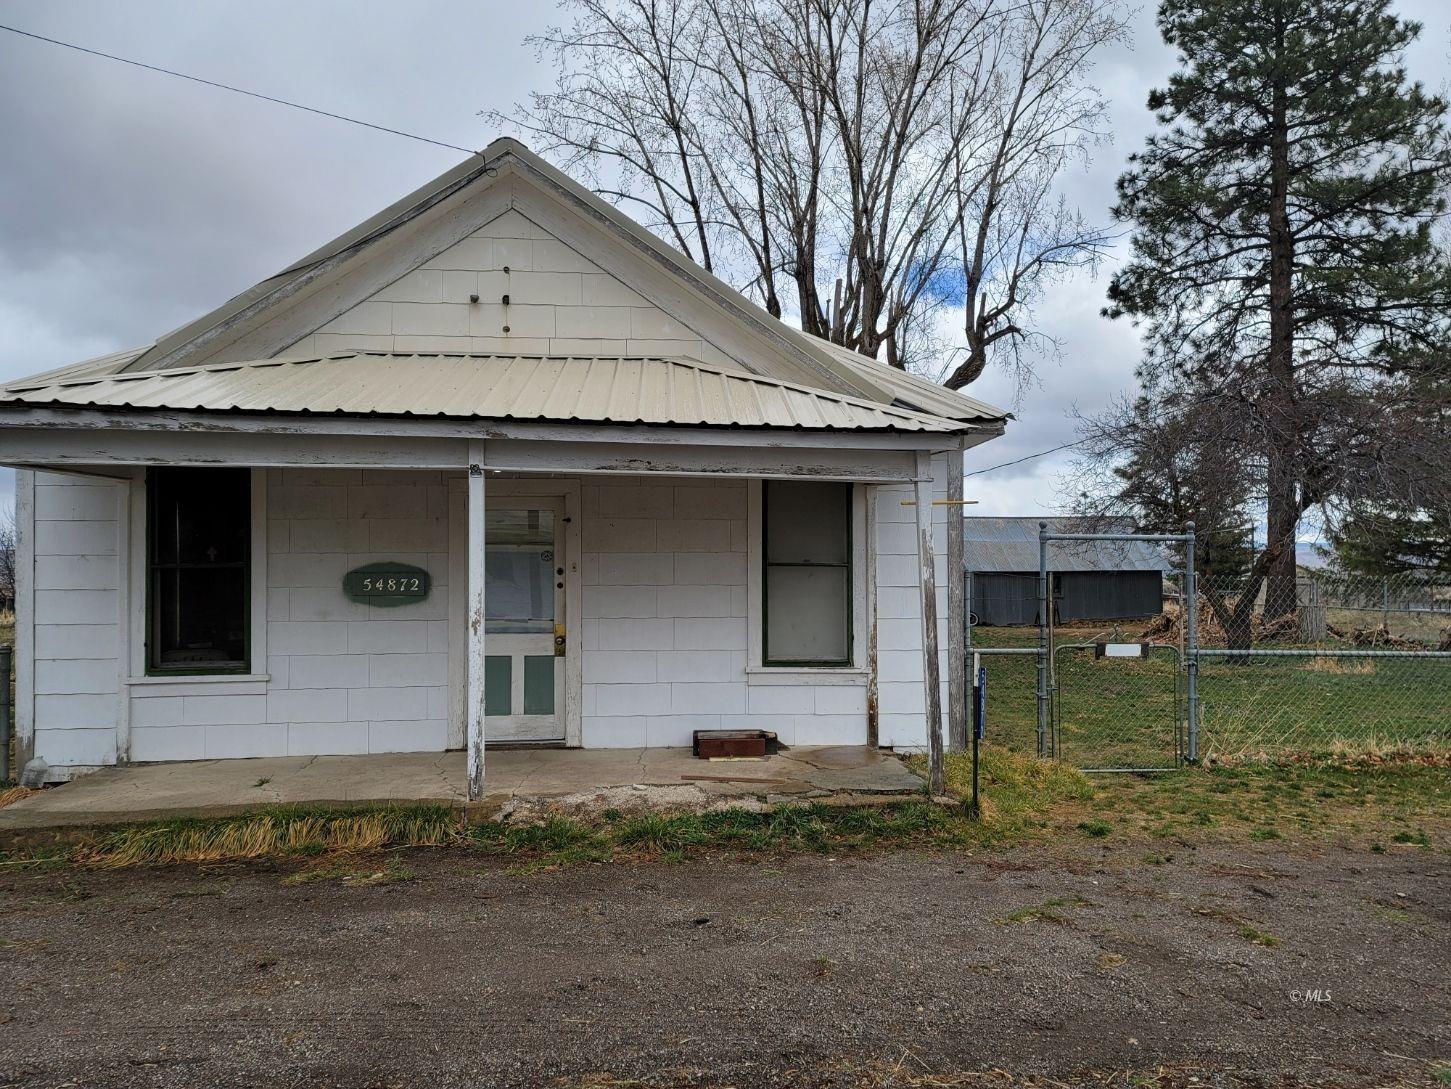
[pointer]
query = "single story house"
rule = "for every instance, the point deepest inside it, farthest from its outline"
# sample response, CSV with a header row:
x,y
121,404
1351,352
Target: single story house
x,y
495,466
1090,580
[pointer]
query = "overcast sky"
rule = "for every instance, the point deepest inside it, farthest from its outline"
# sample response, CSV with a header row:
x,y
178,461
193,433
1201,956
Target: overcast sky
x,y
132,202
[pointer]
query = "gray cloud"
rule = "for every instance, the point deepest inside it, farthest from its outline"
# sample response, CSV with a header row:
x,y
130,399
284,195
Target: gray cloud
x,y
131,202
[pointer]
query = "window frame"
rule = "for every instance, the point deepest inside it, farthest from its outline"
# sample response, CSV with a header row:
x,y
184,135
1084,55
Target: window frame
x,y
849,565
149,565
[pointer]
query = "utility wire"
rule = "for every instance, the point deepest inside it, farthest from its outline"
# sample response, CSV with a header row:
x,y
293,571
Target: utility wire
x,y
1029,457
237,90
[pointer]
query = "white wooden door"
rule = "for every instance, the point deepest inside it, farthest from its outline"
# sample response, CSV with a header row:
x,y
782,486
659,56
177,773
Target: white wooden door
x,y
524,634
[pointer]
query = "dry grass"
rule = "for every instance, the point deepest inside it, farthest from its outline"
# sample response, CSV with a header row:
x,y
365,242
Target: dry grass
x,y
11,795
277,832
1341,666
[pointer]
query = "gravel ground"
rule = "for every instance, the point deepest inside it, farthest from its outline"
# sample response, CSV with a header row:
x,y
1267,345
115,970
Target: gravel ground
x,y
1079,966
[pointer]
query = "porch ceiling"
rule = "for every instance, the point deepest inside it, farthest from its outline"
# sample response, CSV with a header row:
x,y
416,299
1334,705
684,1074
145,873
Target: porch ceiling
x,y
616,390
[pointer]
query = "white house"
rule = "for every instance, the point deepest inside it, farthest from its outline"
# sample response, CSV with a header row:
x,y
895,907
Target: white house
x,y
496,465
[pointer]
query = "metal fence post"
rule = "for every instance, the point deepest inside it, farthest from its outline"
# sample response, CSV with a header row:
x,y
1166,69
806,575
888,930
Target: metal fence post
x,y
1191,641
6,656
1043,648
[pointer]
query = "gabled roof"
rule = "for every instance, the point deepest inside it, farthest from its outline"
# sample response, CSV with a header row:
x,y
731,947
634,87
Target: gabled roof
x,y
1010,545
788,354
620,390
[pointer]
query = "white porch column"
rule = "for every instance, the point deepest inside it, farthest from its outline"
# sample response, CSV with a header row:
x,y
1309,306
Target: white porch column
x,y
474,624
927,581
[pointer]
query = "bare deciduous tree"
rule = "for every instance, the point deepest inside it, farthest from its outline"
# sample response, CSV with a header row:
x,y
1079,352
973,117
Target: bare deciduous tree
x,y
859,165
7,560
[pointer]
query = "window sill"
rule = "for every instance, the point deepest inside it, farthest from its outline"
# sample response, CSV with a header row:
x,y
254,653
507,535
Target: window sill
x,y
203,678
844,675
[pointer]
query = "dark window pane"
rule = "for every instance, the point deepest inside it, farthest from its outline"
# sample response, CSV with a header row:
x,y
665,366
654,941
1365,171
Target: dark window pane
x,y
201,516
199,528
806,614
807,522
807,580
199,621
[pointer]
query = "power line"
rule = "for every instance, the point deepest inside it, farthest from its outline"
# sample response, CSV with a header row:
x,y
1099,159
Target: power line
x,y
237,90
1029,457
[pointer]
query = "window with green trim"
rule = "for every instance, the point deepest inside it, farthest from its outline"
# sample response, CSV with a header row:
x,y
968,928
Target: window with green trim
x,y
806,576
198,571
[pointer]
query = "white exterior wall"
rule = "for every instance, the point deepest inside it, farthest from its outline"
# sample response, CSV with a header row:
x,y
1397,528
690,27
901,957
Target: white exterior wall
x,y
339,677
666,624
664,632
73,688
559,303
901,696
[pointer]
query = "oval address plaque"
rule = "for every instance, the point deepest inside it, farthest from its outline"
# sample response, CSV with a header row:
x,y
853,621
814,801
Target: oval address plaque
x,y
387,584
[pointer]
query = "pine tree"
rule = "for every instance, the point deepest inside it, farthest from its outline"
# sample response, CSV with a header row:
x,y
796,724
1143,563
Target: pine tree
x,y
1282,254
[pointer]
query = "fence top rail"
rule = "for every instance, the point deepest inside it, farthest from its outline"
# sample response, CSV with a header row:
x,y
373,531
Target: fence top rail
x,y
1309,652
1003,650
1180,537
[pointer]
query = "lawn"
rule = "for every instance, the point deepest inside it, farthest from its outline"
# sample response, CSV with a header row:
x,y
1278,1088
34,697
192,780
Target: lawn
x,y
1123,712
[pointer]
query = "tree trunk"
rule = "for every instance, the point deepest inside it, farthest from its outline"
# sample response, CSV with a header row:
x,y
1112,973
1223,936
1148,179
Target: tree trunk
x,y
1279,413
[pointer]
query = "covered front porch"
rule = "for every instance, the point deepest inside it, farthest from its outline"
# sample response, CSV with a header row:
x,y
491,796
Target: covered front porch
x,y
532,779
646,525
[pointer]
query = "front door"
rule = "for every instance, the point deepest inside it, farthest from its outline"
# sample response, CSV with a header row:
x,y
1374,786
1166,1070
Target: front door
x,y
524,634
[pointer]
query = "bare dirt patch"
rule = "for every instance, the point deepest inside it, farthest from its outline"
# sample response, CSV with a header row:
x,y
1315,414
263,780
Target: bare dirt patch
x,y
1092,965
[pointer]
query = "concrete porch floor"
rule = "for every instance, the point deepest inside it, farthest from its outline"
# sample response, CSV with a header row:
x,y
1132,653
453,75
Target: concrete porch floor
x,y
514,779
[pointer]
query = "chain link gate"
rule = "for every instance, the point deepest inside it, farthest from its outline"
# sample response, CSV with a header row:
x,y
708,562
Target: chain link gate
x,y
1154,738
1094,683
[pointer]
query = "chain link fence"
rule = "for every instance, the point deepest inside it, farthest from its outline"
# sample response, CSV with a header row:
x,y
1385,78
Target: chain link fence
x,y
1319,663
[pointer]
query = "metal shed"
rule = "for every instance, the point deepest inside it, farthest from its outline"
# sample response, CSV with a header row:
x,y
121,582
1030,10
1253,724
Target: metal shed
x,y
1092,580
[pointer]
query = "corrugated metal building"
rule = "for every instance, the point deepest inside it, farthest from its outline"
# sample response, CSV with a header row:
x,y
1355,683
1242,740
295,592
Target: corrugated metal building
x,y
1092,580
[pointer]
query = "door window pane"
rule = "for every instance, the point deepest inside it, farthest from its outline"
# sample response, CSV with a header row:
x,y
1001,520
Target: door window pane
x,y
519,577
806,569
198,524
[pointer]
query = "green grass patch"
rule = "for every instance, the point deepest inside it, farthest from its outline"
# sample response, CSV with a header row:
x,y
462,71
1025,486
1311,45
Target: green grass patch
x,y
1256,936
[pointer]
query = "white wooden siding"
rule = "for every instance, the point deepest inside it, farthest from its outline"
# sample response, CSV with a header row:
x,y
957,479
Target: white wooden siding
x,y
899,610
74,683
559,303
341,677
665,629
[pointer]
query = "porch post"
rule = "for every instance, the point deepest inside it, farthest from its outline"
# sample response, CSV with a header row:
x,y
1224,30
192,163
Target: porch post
x,y
957,689
927,580
474,701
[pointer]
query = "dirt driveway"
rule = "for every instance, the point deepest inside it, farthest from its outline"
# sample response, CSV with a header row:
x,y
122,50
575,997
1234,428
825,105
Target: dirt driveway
x,y
1089,966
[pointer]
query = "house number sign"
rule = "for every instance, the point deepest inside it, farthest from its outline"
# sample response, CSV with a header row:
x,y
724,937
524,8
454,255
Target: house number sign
x,y
387,584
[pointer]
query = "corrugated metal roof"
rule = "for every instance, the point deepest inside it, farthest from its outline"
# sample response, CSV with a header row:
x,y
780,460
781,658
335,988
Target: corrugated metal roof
x,y
110,363
915,391
1011,545
615,389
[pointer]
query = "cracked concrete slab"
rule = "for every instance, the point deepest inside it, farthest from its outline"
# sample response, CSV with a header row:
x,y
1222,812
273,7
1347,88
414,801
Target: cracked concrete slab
x,y
516,780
